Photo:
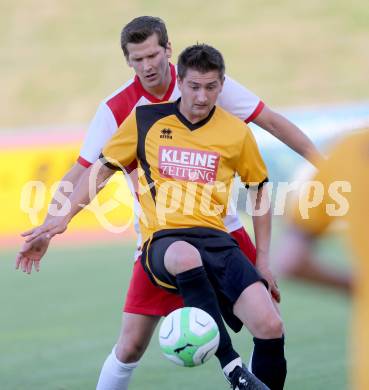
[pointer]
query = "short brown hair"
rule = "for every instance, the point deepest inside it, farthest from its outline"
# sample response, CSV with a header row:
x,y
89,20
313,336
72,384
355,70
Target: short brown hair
x,y
139,29
200,57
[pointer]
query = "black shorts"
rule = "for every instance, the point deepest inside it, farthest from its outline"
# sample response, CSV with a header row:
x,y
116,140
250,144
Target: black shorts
x,y
228,269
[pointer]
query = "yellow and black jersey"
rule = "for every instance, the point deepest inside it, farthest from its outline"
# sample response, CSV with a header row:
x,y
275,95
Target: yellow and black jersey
x,y
185,170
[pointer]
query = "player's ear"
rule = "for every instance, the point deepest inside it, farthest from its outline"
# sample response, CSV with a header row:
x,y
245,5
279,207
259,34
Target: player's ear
x,y
126,57
128,61
168,50
179,83
221,84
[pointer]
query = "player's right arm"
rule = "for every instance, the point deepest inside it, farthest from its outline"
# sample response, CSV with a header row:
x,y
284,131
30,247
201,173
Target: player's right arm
x,y
38,239
120,151
99,132
30,254
67,184
80,197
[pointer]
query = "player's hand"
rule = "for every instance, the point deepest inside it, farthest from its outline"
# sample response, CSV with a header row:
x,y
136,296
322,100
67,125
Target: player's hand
x,y
267,274
31,253
55,225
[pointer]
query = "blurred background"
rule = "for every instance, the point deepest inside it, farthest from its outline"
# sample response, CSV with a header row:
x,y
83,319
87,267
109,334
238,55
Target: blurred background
x,y
58,60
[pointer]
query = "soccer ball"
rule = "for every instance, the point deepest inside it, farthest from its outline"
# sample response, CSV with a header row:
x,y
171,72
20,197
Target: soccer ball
x,y
189,336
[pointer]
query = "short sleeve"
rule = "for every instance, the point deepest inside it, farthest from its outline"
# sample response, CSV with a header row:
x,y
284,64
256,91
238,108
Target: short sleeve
x,y
121,150
100,130
250,165
239,101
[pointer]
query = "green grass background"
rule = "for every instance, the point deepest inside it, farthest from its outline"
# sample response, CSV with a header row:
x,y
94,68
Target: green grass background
x,y
58,326
58,59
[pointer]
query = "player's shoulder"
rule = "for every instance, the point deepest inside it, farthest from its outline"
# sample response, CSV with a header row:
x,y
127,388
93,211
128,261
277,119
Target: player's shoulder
x,y
236,130
123,90
231,119
148,114
355,140
163,108
350,145
122,101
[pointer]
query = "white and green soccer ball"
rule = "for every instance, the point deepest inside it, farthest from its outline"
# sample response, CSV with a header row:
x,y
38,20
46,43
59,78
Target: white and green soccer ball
x,y
189,336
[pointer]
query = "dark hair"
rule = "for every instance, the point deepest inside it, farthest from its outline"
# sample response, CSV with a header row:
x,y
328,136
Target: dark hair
x,y
202,58
139,29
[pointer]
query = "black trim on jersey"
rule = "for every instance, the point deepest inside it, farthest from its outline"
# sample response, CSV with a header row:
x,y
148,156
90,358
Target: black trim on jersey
x,y
187,123
146,116
260,185
105,162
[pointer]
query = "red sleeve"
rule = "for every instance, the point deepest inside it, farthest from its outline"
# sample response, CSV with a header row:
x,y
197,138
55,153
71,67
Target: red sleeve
x,y
83,162
256,112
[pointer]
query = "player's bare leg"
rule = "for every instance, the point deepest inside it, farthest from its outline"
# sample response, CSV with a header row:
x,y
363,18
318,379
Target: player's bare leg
x,y
255,308
135,336
184,261
277,308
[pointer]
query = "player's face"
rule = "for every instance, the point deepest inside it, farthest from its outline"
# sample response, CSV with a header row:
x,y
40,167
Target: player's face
x,y
199,93
150,62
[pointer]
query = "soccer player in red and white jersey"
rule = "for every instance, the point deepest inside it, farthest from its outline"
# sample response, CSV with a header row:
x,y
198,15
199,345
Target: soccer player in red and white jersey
x,y
147,50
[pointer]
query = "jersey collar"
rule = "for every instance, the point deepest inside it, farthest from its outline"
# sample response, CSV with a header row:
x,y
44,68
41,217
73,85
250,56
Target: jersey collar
x,y
186,122
154,99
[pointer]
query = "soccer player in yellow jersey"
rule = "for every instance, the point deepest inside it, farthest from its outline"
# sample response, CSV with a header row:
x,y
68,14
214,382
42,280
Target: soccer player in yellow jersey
x,y
147,50
347,167
188,153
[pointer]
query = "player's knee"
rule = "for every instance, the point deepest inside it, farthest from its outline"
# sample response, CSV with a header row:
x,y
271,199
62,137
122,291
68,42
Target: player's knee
x,y
271,327
276,329
129,351
181,256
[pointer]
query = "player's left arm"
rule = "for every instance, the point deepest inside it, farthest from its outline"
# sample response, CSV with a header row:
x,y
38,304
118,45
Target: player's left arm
x,y
288,133
262,228
253,172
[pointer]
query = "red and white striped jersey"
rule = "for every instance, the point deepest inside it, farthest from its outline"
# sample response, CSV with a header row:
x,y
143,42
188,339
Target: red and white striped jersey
x,y
113,110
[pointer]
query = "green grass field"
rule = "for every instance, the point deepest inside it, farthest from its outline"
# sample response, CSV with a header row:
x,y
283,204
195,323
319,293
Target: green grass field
x,y
58,326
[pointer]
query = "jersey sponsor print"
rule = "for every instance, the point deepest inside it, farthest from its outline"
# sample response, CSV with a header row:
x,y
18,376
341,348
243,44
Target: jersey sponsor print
x,y
188,164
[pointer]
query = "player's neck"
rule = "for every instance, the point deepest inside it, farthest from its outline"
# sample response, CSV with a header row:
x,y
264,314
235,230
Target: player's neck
x,y
160,90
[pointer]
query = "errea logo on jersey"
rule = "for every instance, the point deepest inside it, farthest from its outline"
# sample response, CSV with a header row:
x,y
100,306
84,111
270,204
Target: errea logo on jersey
x,y
166,133
188,164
